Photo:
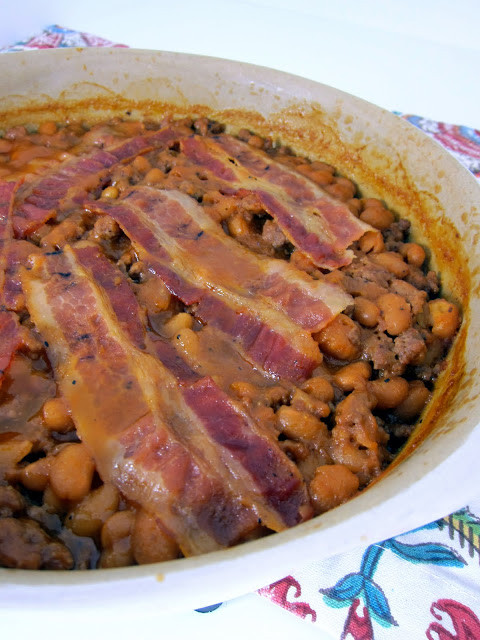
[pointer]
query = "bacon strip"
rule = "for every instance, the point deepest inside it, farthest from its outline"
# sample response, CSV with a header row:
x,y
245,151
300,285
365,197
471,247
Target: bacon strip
x,y
264,334
124,404
220,263
259,471
128,311
317,224
11,338
66,186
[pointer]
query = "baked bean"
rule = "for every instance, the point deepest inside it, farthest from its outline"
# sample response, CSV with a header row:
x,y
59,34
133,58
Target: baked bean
x,y
187,340
318,165
414,254
355,206
395,312
154,295
366,312
110,193
178,322
116,540
35,475
141,164
56,416
154,176
299,424
244,389
353,376
47,128
392,262
371,242
255,141
71,472
377,217
305,402
372,202
389,392
445,318
150,542
340,339
238,226
332,485
320,388
321,177
342,188
13,449
89,515
52,503
414,403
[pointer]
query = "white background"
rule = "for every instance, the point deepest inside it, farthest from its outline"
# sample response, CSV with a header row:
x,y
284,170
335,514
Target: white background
x,y
415,56
419,57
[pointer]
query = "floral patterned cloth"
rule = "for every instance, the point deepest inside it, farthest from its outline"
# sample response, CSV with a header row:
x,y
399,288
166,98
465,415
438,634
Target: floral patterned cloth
x,y
422,584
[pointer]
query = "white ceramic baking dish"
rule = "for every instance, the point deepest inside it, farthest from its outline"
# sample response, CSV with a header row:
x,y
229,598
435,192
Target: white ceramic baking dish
x,y
438,471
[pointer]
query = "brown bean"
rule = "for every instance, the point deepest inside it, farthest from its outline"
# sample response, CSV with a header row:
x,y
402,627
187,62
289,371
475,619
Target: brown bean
x,y
445,318
340,339
56,415
320,388
89,515
332,485
298,424
238,226
116,540
154,176
154,295
150,542
321,177
47,128
395,312
353,376
110,193
366,312
141,164
35,475
414,253
417,398
392,262
377,217
371,242
71,472
12,450
305,402
343,189
389,392
178,322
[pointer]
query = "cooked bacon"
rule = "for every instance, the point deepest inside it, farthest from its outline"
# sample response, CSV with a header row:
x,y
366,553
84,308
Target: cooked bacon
x,y
319,225
265,334
129,314
258,470
220,263
250,457
116,287
127,409
67,185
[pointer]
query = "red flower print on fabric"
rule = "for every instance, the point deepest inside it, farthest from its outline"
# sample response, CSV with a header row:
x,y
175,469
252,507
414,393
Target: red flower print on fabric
x,y
465,623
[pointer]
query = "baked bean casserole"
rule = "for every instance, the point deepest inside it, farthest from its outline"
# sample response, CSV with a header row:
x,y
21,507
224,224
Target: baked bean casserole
x,y
204,339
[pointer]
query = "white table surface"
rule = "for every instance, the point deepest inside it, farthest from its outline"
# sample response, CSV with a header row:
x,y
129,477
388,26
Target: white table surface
x,y
419,57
